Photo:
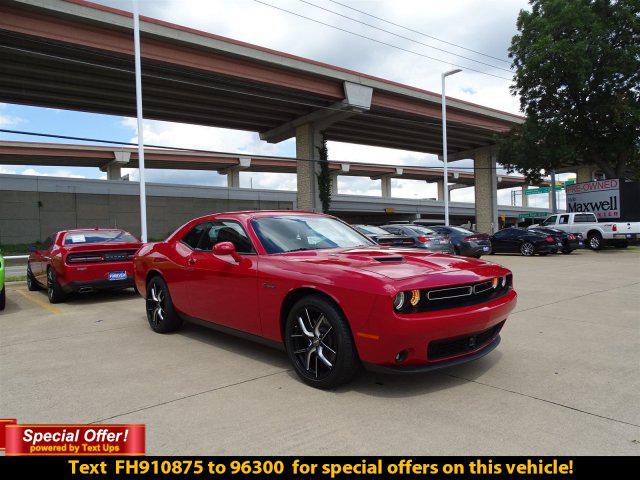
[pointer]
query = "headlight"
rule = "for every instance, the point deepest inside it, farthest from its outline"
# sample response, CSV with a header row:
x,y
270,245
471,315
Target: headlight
x,y
415,297
495,281
398,301
503,281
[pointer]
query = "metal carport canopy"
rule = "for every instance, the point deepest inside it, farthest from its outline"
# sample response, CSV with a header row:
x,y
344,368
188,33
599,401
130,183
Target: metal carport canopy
x,y
79,55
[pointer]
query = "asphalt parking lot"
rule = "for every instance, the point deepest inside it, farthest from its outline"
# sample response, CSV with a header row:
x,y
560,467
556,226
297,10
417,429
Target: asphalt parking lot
x,y
564,381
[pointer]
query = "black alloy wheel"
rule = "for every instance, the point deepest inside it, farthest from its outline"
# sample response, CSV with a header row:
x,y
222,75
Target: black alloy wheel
x,y
527,249
319,343
54,290
32,285
161,315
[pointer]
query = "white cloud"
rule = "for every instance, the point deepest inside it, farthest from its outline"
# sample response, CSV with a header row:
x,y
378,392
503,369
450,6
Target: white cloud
x,y
9,120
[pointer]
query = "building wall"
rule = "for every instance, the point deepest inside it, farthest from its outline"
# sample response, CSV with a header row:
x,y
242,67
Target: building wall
x,y
29,216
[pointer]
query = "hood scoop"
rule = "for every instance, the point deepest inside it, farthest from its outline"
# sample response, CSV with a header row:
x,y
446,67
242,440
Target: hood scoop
x,y
389,259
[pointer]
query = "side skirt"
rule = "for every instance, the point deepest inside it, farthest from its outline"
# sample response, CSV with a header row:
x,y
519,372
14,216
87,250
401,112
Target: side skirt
x,y
236,333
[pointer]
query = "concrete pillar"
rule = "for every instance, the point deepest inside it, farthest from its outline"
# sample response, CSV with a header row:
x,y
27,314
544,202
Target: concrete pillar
x,y
440,185
233,178
486,189
308,140
385,186
334,183
525,198
114,172
584,174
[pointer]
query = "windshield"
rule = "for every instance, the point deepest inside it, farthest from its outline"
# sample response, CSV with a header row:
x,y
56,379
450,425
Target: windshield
x,y
371,230
293,233
97,236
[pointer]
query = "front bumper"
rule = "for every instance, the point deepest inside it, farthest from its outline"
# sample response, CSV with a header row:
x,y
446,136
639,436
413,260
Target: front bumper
x,y
387,335
399,370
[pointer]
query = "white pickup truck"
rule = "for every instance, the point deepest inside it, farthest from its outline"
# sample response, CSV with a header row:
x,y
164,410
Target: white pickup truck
x,y
597,234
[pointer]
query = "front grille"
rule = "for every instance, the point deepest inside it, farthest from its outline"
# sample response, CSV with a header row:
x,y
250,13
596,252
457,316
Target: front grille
x,y
457,296
450,347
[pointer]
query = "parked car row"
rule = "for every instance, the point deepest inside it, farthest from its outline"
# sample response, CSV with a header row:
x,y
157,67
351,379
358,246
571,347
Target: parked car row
x,y
461,241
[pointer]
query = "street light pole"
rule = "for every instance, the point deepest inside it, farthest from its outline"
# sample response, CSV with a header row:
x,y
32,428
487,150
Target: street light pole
x,y
444,145
138,75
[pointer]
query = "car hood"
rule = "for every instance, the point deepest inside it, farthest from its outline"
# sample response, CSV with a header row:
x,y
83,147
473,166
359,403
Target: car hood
x,y
403,263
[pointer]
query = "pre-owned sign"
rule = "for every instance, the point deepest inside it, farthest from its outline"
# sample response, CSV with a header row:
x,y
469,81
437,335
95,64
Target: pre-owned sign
x,y
601,197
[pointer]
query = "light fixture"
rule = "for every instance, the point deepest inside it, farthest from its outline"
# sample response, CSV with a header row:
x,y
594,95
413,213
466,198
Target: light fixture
x,y
415,297
398,301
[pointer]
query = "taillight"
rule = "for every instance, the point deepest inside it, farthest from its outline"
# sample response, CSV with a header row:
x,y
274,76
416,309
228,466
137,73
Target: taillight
x,y
572,237
550,239
423,239
85,259
614,227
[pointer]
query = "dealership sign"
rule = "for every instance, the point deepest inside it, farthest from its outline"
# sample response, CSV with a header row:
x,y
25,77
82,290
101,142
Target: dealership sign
x,y
601,197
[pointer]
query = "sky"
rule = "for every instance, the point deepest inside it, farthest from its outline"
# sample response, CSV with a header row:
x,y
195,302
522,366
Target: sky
x,y
485,27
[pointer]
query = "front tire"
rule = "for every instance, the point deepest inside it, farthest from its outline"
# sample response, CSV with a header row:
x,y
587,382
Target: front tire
x,y
527,249
54,290
595,241
161,315
319,343
3,298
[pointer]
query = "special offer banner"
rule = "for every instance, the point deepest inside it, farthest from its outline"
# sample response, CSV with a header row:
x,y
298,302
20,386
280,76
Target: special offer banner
x,y
75,439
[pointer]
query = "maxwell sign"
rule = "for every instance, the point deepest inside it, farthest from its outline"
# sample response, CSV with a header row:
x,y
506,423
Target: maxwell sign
x,y
601,197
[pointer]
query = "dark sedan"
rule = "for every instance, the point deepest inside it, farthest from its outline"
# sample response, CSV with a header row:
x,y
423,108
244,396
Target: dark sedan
x,y
523,241
465,242
570,241
382,237
422,237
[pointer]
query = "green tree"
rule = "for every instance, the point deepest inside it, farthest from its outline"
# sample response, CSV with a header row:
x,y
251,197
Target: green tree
x,y
577,72
324,177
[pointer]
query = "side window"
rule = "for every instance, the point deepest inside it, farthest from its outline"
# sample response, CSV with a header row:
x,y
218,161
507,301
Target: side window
x,y
564,219
501,234
226,231
192,238
584,218
550,221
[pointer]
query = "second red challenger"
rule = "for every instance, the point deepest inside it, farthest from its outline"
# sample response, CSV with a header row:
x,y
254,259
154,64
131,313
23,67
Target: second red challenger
x,y
332,298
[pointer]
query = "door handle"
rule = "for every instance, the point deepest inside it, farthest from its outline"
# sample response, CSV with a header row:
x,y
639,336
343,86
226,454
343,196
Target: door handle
x,y
191,261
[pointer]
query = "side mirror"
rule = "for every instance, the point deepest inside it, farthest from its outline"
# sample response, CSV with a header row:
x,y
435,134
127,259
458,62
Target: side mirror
x,y
226,248
32,248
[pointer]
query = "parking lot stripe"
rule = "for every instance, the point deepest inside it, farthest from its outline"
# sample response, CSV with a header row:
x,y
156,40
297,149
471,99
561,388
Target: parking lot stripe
x,y
41,303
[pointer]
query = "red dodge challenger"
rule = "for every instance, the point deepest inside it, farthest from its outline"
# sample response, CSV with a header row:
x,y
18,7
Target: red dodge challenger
x,y
82,261
327,294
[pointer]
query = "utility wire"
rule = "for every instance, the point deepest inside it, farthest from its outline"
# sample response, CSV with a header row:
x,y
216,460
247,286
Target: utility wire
x,y
225,89
380,41
418,32
200,150
404,37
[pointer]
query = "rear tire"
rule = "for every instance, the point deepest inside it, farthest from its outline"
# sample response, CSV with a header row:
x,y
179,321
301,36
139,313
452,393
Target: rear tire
x,y
527,249
319,343
161,315
621,244
32,285
594,240
54,290
567,251
3,298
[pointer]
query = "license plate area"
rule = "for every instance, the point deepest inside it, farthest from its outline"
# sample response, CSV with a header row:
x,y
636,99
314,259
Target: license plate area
x,y
119,275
